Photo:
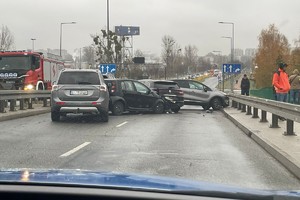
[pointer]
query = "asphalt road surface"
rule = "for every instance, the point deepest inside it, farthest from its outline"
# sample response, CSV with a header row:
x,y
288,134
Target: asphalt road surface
x,y
211,82
192,144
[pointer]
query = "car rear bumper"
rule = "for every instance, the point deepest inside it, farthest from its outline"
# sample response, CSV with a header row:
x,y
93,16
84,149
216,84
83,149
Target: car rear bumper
x,y
79,110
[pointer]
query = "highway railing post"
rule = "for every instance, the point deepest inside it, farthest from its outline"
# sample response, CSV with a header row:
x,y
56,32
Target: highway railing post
x,y
249,110
243,108
2,106
22,104
45,102
30,104
274,121
289,128
255,113
239,106
263,116
12,106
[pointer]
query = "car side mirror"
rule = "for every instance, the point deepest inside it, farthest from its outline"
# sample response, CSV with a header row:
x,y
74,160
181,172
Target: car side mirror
x,y
205,89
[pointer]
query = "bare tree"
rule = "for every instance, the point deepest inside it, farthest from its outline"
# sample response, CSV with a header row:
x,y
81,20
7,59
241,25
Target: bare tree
x,y
89,55
6,39
139,53
191,58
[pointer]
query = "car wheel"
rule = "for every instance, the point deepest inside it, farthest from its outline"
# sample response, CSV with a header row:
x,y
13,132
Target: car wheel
x,y
216,103
118,108
176,110
159,108
55,116
104,116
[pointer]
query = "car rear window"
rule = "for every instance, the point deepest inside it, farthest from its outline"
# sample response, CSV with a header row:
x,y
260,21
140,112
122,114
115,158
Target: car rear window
x,y
166,85
85,78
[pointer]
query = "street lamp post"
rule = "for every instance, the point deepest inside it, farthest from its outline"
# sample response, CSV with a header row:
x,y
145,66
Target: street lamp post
x,y
60,40
33,39
232,49
220,53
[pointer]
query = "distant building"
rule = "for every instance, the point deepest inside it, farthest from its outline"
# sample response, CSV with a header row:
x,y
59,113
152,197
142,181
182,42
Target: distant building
x,y
250,52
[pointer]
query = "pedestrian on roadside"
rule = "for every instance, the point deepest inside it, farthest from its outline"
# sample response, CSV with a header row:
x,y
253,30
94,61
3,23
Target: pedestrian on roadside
x,y
294,80
281,82
245,85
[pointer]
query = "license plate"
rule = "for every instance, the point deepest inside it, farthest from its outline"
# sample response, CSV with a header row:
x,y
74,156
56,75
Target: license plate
x,y
80,92
10,81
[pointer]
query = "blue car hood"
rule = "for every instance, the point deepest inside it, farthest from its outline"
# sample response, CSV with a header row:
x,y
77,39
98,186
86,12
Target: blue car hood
x,y
127,181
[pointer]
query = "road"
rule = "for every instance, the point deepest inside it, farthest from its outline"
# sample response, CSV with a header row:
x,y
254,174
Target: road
x,y
211,82
192,144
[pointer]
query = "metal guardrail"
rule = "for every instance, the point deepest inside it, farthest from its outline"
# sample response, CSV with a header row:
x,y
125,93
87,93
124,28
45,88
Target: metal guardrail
x,y
24,97
278,109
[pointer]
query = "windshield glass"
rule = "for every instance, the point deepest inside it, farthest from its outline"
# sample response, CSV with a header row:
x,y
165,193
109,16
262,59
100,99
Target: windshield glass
x,y
203,90
15,62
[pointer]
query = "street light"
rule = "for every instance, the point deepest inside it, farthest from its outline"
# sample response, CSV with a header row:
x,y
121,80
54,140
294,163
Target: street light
x,y
33,39
220,53
232,48
60,40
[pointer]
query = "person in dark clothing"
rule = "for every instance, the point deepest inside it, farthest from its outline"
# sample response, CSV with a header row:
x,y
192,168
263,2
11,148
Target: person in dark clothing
x,y
245,85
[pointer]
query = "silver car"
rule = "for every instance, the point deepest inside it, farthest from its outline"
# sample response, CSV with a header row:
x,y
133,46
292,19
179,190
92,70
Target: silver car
x,y
196,93
79,91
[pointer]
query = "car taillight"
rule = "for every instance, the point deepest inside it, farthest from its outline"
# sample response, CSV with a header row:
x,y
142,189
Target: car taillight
x,y
60,103
96,103
113,89
180,92
54,87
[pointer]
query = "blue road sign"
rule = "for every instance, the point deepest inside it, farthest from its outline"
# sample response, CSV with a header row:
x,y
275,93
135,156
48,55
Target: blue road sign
x,y
232,68
107,68
127,30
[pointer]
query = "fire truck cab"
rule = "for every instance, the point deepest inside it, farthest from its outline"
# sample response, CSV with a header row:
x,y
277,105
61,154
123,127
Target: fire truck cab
x,y
24,70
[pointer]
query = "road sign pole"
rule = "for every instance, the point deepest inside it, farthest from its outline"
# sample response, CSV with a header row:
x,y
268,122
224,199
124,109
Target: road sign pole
x,y
223,79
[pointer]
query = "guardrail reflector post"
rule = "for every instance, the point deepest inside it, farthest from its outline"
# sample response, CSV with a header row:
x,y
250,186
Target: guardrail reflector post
x,y
2,106
22,104
249,110
255,113
44,102
12,106
274,121
30,104
289,128
263,116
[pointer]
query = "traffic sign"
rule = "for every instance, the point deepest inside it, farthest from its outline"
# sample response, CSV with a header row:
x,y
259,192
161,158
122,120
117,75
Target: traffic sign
x,y
127,30
107,68
232,68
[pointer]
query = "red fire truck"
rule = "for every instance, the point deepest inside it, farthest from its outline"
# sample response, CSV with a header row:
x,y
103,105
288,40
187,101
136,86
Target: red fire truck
x,y
25,70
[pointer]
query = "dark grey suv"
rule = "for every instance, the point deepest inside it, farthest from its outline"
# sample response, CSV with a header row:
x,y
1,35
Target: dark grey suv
x,y
79,91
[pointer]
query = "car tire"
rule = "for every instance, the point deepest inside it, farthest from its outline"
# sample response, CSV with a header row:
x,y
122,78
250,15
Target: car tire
x,y
118,108
176,110
159,108
216,103
55,116
104,116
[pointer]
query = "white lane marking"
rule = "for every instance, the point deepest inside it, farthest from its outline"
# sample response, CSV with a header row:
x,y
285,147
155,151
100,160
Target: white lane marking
x,y
75,149
121,124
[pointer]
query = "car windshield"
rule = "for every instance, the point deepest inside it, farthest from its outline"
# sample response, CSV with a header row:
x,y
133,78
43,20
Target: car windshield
x,y
88,78
15,62
200,90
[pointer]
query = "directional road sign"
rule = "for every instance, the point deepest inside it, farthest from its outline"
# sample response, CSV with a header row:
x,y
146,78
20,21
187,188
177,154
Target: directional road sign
x,y
232,68
107,68
127,30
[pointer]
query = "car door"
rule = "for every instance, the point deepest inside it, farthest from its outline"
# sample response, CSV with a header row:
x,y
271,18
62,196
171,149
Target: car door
x,y
198,92
129,93
185,87
145,99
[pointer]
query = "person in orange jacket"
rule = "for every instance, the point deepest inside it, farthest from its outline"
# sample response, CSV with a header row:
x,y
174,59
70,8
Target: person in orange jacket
x,y
281,83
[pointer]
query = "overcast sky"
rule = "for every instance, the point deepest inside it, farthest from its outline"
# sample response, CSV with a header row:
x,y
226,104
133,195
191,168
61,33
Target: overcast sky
x,y
188,21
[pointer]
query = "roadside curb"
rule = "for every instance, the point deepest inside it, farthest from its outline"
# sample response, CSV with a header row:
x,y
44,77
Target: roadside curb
x,y
285,159
25,113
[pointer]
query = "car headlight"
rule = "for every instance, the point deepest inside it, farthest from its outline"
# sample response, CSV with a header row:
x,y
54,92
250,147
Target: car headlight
x,y
28,87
